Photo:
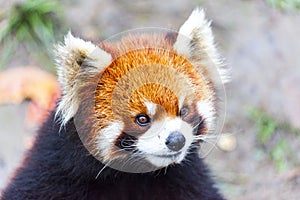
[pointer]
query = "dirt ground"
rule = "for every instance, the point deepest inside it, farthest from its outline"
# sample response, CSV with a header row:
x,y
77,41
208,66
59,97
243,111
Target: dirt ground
x,y
261,46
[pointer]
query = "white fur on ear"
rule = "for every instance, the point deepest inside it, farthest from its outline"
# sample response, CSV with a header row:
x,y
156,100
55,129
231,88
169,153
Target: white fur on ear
x,y
69,57
195,39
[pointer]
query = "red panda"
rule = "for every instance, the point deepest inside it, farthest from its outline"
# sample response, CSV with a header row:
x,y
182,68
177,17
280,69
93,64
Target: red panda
x,y
131,119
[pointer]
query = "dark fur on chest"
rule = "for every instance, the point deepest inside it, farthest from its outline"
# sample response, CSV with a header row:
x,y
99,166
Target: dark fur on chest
x,y
59,167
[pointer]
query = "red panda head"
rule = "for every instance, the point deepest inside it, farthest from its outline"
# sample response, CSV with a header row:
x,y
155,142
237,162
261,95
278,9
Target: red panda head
x,y
143,102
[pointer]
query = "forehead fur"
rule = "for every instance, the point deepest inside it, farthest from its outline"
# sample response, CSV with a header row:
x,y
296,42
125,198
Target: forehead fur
x,y
165,99
146,73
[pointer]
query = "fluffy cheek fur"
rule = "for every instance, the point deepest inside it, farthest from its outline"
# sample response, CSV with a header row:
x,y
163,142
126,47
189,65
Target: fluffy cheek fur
x,y
208,112
106,137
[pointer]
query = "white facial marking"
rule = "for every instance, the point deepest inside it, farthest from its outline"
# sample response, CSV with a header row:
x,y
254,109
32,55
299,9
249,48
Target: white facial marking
x,y
152,143
151,107
181,101
207,111
107,136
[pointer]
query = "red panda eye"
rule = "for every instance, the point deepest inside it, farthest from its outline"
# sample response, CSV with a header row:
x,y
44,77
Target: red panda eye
x,y
184,112
143,120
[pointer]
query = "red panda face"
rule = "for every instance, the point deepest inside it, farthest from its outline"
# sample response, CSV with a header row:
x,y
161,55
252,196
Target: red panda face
x,y
152,96
144,102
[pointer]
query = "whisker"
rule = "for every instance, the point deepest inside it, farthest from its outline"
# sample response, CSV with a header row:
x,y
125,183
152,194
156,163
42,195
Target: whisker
x,y
213,144
165,171
198,123
134,162
101,170
205,137
135,157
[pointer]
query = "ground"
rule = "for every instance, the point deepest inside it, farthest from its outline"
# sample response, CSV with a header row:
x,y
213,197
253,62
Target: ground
x,y
260,45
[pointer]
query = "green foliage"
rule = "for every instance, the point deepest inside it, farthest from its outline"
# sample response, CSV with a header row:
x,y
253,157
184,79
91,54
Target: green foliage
x,y
285,4
278,154
265,124
34,24
275,144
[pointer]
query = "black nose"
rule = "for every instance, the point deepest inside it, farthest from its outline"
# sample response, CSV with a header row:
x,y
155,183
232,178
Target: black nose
x,y
175,141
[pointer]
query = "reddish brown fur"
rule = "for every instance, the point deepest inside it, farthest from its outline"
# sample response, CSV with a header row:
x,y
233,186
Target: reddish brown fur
x,y
134,52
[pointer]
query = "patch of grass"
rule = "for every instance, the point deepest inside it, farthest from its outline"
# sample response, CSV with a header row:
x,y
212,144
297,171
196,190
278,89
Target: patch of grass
x,y
276,145
32,23
265,124
278,155
285,5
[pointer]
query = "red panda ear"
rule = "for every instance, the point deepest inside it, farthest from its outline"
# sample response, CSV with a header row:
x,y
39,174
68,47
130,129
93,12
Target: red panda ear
x,y
196,41
69,59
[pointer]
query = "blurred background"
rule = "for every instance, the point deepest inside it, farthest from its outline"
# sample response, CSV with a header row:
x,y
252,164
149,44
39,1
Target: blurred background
x,y
257,156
